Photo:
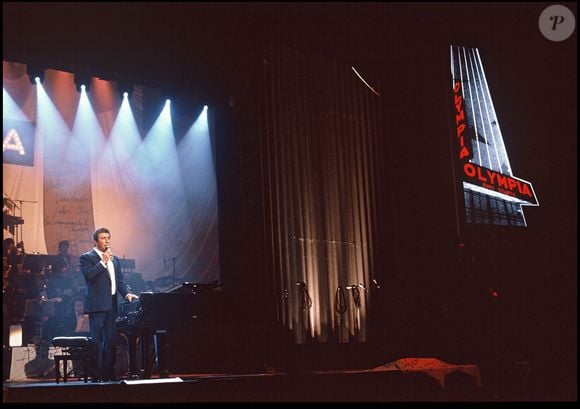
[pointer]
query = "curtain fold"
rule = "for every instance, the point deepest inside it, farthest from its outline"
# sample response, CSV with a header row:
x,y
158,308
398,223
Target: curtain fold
x,y
321,149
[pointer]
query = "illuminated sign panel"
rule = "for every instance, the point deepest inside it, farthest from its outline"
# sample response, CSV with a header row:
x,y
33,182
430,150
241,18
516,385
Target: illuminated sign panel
x,y
462,131
18,142
480,156
517,189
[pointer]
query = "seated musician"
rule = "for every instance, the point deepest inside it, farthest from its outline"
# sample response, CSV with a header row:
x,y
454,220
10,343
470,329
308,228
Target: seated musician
x,y
76,322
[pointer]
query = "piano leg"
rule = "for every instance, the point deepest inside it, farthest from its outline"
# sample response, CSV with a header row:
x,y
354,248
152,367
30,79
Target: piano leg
x,y
145,371
133,373
159,341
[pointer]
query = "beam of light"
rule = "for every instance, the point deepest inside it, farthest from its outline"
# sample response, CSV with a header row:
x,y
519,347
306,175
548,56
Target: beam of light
x,y
119,195
125,193
52,127
87,133
67,171
154,179
160,142
197,167
125,137
95,170
196,158
58,180
10,109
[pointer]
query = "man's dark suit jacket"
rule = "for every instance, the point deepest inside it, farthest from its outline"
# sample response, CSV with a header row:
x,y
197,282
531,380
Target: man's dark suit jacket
x,y
96,275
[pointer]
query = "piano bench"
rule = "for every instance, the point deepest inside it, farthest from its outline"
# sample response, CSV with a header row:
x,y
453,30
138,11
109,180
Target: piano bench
x,y
74,349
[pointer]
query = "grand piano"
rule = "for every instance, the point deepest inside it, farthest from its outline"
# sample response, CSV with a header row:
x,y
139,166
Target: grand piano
x,y
179,331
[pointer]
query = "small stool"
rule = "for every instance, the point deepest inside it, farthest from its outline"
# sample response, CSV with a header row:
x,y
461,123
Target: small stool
x,y
74,348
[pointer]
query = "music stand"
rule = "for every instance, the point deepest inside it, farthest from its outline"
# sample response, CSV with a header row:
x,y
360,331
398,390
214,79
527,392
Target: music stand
x,y
36,309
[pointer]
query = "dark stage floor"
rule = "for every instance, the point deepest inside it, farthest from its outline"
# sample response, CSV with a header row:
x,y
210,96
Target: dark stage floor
x,y
314,386
338,386
404,379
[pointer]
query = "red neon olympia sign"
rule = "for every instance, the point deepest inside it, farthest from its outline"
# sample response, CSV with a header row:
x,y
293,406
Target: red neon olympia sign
x,y
476,174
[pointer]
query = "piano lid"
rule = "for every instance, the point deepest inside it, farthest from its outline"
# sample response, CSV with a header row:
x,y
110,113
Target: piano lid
x,y
189,287
166,311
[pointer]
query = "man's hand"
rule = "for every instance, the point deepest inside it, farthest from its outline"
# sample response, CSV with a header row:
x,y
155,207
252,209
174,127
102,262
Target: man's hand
x,y
107,255
130,297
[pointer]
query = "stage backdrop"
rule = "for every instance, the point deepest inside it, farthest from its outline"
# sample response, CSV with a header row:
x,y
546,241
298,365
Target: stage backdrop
x,y
321,167
75,161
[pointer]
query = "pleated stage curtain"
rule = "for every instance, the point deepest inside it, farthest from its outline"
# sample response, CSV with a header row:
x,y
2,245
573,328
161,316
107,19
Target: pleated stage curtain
x,y
321,160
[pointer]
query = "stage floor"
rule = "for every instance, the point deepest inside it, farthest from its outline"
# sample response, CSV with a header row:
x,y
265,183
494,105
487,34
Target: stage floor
x,y
337,386
404,380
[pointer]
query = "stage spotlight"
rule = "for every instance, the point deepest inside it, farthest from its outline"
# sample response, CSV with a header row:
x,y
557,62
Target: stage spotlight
x,y
35,73
125,89
198,110
82,79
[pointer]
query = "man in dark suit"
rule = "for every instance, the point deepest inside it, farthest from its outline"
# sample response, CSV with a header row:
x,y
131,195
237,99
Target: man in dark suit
x,y
102,273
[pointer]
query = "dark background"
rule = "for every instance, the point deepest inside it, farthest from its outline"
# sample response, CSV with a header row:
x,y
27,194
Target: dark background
x,y
211,49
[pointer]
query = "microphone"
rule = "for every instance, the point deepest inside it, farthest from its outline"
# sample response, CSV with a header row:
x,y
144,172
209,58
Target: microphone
x,y
107,248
